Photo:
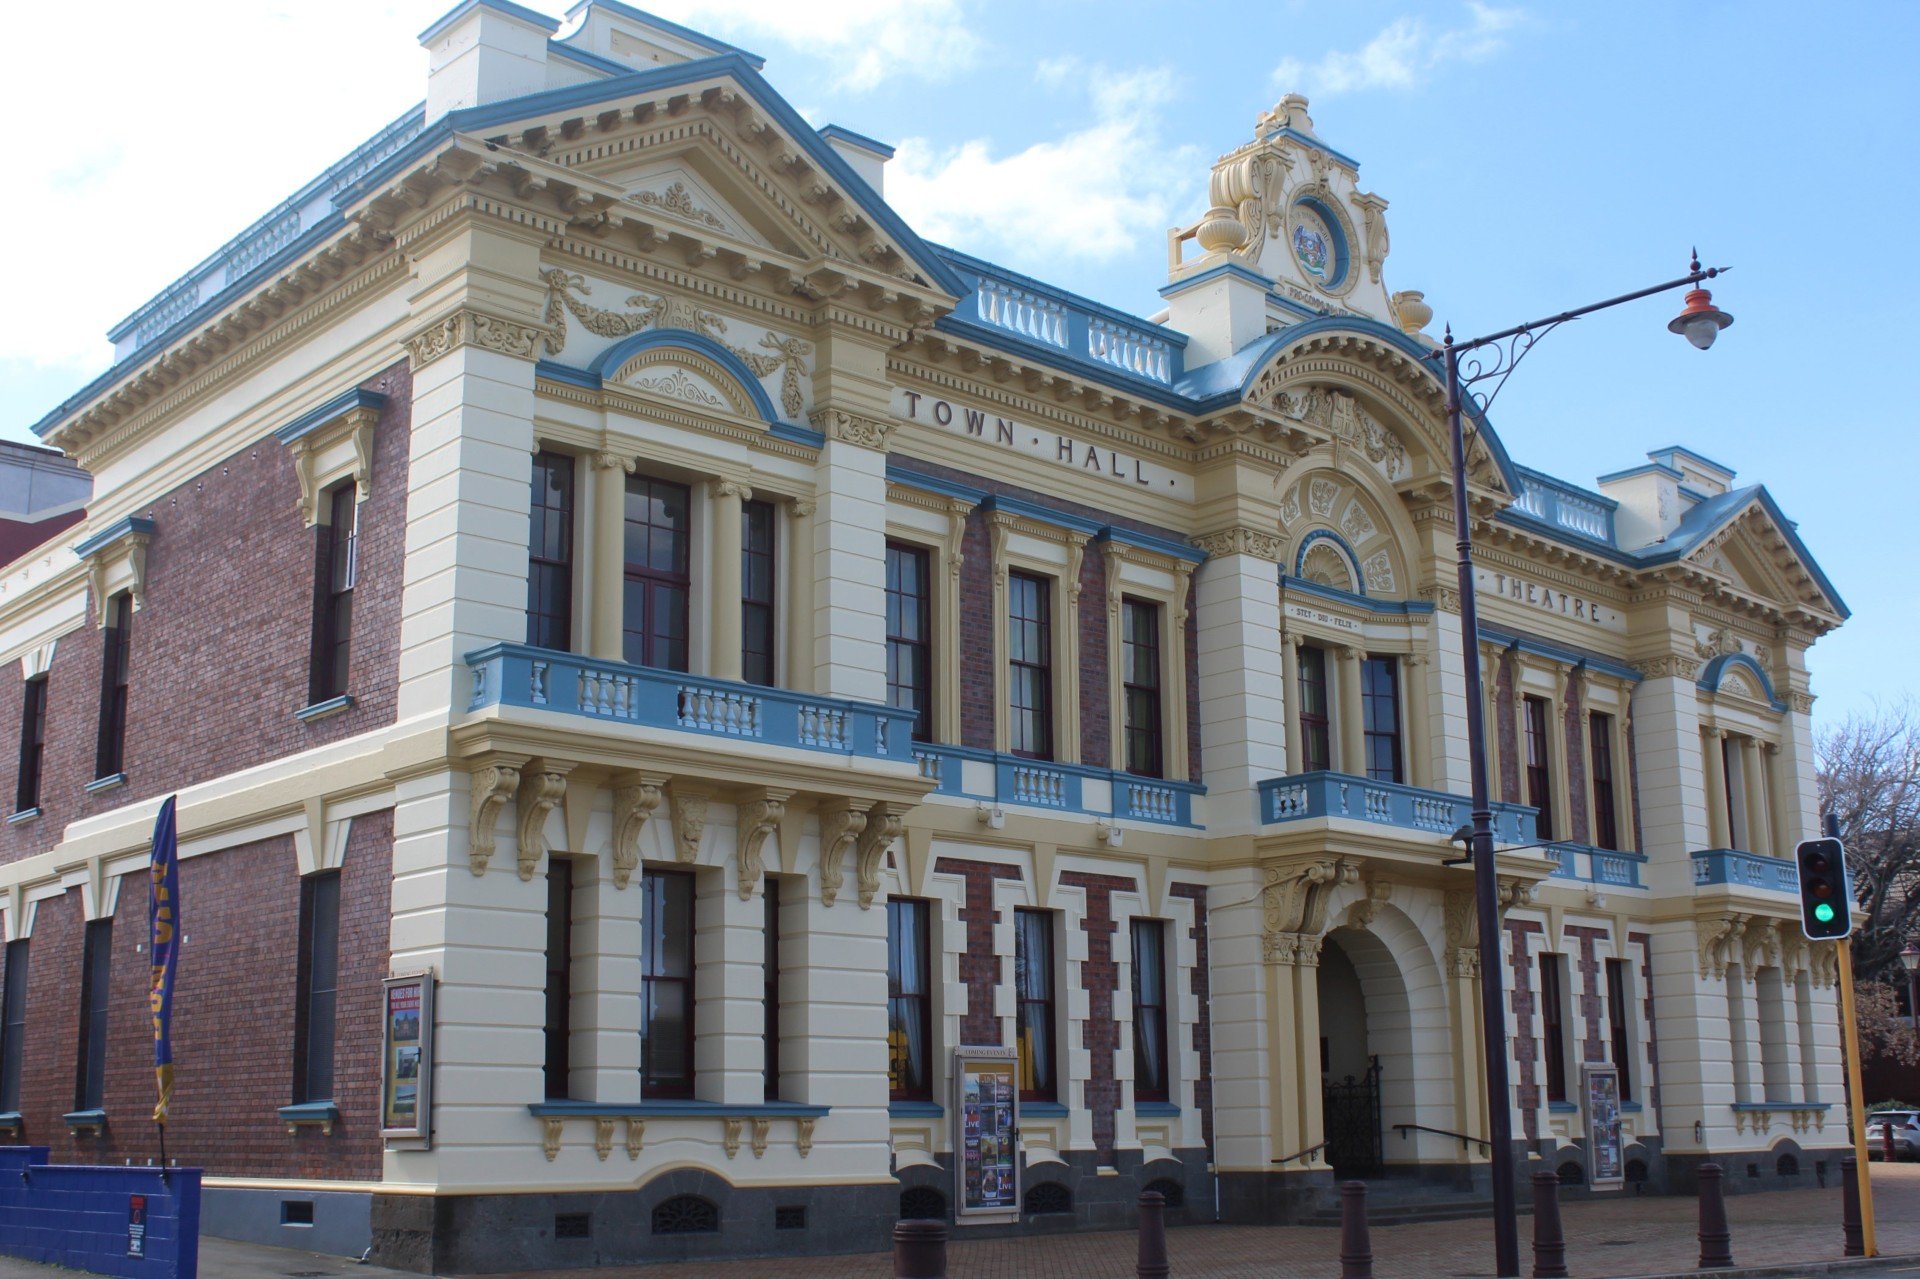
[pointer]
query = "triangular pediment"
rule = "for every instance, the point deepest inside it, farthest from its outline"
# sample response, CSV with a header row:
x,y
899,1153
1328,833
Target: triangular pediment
x,y
677,191
1757,553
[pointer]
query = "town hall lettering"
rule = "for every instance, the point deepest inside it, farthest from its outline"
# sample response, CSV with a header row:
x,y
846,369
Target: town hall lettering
x,y
1110,464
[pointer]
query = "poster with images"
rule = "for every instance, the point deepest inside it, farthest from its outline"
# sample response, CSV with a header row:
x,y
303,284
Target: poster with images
x,y
406,1059
986,1117
1606,1154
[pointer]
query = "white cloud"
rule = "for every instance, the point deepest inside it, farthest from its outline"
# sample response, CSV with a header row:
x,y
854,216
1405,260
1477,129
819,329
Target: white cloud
x,y
870,40
1402,55
1089,195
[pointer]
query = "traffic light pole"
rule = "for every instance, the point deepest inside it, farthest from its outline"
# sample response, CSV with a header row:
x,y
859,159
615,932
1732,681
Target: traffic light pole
x,y
1856,1104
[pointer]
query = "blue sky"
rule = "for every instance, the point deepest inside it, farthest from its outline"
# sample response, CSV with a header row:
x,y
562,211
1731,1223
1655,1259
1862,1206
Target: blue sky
x,y
1536,157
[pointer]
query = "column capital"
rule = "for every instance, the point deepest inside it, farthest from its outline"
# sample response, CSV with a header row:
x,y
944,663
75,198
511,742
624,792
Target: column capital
x,y
475,328
724,487
853,428
608,461
1242,540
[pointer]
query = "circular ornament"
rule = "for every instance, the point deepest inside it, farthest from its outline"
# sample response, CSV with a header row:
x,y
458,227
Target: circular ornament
x,y
1321,244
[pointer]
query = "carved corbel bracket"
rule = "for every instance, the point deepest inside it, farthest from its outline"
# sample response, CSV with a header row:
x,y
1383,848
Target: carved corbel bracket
x,y
804,1139
603,1136
761,1127
1362,912
550,1136
854,428
760,814
1823,964
633,802
1715,936
731,1135
636,1135
882,828
1761,948
689,820
104,552
841,823
493,784
1515,892
541,787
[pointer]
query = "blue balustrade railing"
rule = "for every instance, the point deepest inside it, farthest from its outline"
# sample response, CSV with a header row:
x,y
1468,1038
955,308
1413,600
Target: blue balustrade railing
x,y
1067,788
520,675
1307,796
1746,870
1605,866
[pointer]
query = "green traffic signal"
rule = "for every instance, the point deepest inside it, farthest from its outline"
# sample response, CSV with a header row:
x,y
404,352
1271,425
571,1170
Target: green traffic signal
x,y
1823,913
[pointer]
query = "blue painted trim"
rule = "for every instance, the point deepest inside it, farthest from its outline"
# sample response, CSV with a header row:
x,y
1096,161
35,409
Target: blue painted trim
x,y
1230,270
505,8
837,133
1609,867
1574,657
1563,1107
669,1109
1645,468
915,1110
557,372
666,25
626,348
798,435
320,710
1554,481
1716,671
1313,539
1586,541
1043,514
1327,795
594,61
333,410
1149,542
1156,1109
791,432
124,527
1632,1107
86,1118
1005,340
108,782
1308,140
1694,495
311,1112
1672,451
1745,1107
1415,608
1043,1110
897,473
10,1121
23,815
1741,869
1305,312
1342,251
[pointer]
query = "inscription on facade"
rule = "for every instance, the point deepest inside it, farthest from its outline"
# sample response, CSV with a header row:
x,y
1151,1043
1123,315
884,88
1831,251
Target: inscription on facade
x,y
1492,583
1304,613
1115,466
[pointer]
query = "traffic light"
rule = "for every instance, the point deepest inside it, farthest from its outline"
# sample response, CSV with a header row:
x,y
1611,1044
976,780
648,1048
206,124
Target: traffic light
x,y
1826,902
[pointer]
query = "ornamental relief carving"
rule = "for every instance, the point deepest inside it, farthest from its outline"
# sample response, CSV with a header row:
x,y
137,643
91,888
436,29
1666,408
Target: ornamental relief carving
x,y
1293,904
676,385
474,328
854,428
1337,414
1243,541
677,200
1671,666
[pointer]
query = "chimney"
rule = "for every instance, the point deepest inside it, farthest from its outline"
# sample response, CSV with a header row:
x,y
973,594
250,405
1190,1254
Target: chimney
x,y
485,51
865,156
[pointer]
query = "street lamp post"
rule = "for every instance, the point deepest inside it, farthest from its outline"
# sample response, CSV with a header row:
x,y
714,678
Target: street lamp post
x,y
1699,323
1910,960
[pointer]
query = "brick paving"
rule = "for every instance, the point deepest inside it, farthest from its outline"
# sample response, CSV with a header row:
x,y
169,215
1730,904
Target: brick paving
x,y
1616,1237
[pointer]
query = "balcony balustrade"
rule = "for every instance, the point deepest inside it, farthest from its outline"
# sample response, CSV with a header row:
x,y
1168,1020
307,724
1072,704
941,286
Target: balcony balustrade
x,y
1310,796
1745,870
1068,788
1608,867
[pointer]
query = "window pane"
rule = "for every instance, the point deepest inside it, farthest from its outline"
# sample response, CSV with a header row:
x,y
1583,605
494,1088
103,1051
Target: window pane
x,y
908,1006
13,1026
654,607
550,553
667,983
1149,1010
1316,742
1030,666
1539,773
1606,833
559,993
97,964
909,648
1380,711
1033,986
33,740
318,982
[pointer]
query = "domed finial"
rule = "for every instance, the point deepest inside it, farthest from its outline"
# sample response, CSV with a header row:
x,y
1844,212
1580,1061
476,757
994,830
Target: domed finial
x,y
1294,109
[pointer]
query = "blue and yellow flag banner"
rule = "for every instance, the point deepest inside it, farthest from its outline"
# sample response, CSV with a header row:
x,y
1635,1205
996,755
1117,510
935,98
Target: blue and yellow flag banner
x,y
163,925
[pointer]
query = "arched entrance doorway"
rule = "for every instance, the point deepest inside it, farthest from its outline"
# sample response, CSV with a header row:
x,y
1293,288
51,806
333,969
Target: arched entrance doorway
x,y
1367,1061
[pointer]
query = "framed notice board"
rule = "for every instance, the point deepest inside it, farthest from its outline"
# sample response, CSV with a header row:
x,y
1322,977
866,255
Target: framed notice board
x,y
406,1056
1600,1097
986,1130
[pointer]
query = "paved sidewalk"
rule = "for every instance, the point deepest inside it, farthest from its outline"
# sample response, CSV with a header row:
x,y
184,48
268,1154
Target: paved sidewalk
x,y
1620,1237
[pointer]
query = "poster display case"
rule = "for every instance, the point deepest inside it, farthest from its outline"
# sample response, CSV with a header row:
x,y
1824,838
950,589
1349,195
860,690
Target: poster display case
x,y
986,1135
1600,1098
406,1057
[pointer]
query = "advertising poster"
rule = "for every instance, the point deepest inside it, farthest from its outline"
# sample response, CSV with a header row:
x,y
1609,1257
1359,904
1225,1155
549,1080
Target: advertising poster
x,y
986,1116
406,1070
1606,1156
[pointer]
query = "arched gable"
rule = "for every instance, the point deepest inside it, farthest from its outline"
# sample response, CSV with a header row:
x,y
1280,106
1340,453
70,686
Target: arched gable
x,y
1746,674
1339,525
680,364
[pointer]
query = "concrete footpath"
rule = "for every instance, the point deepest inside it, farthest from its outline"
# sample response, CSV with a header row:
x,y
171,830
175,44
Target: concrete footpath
x,y
1791,1234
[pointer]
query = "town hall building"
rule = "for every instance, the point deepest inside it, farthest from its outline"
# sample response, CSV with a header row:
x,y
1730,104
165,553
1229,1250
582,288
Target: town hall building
x,y
705,723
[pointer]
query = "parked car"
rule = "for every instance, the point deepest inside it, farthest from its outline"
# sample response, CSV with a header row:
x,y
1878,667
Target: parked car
x,y
1905,1126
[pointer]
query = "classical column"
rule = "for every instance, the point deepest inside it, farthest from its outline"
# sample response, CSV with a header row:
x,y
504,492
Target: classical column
x,y
1712,755
1243,694
1759,838
1417,748
1353,731
798,673
1779,816
1290,678
723,632
606,601
1307,1095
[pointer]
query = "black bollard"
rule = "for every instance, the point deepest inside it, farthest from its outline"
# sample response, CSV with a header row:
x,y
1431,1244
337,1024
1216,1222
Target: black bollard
x,y
1716,1240
1356,1245
1850,1227
1549,1245
1153,1236
920,1250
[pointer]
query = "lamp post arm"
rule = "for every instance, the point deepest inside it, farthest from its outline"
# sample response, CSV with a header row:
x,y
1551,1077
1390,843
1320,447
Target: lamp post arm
x,y
1692,277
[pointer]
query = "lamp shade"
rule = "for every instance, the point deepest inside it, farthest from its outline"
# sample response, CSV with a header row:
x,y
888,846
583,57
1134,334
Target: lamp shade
x,y
1701,321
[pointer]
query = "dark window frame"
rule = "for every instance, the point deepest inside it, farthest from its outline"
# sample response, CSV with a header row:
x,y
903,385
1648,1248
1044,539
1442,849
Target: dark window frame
x,y
110,750
1537,760
1606,809
96,998
317,988
1316,726
759,592
910,635
1150,1016
557,1026
13,1025
1143,708
550,550
1380,718
1553,1025
336,571
909,1005
33,743
1619,1012
1036,1029
1029,639
653,1081
660,598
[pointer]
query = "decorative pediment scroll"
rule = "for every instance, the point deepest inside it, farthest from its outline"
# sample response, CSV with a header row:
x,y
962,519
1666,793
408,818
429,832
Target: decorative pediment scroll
x,y
633,803
541,787
760,814
882,828
842,822
492,786
689,821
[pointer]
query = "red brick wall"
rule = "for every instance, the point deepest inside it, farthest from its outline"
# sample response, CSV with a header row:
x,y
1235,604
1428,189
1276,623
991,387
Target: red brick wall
x,y
1580,825
978,644
1593,1043
233,1017
979,966
219,656
1650,1089
1526,1045
1202,988
1506,743
1100,978
1099,746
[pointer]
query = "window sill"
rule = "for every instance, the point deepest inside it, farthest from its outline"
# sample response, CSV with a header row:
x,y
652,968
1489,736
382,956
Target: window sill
x,y
10,1121
915,1110
1631,1107
107,783
93,1121
322,710
310,1114
1563,1107
1156,1109
1043,1110
24,815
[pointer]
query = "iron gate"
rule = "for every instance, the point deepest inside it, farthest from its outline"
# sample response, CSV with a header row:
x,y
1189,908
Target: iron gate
x,y
1350,1117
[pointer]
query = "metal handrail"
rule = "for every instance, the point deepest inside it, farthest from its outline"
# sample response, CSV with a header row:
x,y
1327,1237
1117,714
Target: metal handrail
x,y
1302,1154
1463,1139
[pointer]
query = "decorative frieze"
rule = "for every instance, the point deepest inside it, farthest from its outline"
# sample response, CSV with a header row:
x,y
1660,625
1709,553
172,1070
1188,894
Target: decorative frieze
x,y
475,328
1243,541
853,428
